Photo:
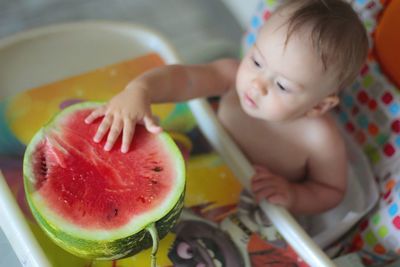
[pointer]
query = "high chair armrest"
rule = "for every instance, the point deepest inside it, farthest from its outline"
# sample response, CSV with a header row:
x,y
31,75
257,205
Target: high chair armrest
x,y
17,231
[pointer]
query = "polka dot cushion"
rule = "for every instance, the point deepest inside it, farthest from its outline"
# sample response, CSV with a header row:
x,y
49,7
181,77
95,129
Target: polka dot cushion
x,y
370,113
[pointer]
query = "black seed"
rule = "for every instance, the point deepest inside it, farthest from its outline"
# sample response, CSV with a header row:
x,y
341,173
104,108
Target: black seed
x,y
157,169
141,199
112,214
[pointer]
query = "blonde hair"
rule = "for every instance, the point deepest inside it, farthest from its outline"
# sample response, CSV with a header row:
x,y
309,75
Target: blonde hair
x,y
337,34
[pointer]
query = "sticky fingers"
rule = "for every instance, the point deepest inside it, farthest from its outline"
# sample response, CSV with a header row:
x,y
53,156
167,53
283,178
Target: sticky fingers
x,y
97,113
150,125
264,192
113,134
103,128
261,169
274,188
273,194
116,122
127,135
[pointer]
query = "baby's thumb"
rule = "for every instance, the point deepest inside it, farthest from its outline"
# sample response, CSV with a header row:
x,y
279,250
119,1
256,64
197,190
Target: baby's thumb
x,y
151,125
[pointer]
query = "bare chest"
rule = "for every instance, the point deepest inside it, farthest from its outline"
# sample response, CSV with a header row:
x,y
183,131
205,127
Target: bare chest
x,y
278,149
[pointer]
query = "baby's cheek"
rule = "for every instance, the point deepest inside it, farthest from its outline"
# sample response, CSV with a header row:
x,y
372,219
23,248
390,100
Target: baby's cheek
x,y
240,84
292,106
273,109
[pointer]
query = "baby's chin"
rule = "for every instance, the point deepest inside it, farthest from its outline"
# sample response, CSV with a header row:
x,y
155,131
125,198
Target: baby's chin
x,y
269,118
256,114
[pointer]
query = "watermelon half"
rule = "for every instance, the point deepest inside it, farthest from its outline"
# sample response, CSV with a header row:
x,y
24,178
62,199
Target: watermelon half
x,y
98,204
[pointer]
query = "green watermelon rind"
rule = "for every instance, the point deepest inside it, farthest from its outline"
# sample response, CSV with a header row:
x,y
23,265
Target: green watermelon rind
x,y
110,249
101,244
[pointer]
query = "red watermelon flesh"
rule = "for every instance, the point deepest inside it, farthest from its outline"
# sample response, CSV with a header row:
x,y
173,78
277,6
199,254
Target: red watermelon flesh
x,y
96,189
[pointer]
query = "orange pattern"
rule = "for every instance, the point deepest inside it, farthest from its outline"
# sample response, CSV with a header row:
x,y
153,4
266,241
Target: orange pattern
x,y
387,40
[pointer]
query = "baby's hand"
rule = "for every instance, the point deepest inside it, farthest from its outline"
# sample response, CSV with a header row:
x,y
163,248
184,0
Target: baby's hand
x,y
276,189
121,114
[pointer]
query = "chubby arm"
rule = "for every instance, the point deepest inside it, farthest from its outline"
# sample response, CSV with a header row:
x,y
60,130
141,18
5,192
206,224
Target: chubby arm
x,y
326,181
172,83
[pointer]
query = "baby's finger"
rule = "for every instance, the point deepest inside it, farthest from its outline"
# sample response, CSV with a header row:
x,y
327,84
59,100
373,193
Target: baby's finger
x,y
95,114
261,187
260,168
115,131
127,135
278,199
264,193
261,178
260,184
150,125
103,128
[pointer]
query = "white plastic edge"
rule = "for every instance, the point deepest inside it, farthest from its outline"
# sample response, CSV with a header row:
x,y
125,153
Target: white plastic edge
x,y
165,49
242,10
283,221
17,231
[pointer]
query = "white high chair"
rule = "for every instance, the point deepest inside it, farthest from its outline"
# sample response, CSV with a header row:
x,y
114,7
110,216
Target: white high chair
x,y
27,49
47,46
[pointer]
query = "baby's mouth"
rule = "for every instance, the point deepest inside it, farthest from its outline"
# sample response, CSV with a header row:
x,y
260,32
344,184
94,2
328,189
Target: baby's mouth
x,y
249,101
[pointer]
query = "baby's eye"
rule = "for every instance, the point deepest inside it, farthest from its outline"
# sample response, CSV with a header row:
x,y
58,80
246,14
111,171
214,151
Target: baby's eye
x,y
283,88
256,63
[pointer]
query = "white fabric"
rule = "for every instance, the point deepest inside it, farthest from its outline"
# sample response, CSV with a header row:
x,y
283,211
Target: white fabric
x,y
361,196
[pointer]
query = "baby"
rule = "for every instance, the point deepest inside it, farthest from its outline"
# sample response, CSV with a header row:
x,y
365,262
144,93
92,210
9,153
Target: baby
x,y
274,103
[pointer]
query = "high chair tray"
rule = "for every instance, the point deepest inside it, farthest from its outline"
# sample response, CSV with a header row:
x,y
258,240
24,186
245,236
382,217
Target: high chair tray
x,y
46,69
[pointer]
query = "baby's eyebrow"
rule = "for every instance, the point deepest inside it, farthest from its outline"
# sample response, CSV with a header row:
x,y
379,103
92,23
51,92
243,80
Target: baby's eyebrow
x,y
259,51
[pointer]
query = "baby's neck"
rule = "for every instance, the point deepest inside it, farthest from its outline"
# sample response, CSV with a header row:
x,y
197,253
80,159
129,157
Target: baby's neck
x,y
296,122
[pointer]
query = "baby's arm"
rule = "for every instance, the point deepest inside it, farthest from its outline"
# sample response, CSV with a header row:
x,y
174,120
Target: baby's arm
x,y
326,180
170,83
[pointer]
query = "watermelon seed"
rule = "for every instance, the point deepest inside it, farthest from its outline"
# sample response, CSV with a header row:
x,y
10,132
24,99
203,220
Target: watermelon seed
x,y
43,165
67,202
112,214
141,199
157,169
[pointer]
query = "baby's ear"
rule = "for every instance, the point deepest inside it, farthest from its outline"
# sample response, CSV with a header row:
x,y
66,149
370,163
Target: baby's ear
x,y
323,106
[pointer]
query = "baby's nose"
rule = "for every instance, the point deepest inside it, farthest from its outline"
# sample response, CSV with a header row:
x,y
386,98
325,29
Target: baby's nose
x,y
260,86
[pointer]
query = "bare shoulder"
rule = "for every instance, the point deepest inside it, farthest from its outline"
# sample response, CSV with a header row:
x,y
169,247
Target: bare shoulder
x,y
323,134
327,159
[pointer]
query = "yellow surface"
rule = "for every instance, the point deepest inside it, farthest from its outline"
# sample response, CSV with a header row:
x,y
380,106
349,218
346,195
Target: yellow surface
x,y
28,111
210,184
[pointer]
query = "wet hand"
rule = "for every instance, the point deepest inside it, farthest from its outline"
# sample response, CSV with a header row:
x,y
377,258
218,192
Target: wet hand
x,y
120,115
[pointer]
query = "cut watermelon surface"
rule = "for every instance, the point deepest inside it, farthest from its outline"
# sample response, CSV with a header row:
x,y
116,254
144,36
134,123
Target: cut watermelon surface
x,y
99,204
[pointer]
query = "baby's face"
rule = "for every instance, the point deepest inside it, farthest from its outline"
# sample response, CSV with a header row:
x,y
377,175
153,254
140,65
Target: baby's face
x,y
279,83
